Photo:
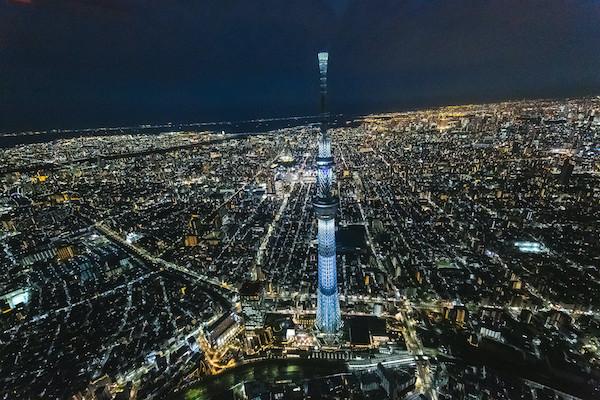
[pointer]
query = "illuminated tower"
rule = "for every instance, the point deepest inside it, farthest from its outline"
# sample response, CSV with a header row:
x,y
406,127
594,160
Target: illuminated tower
x,y
328,303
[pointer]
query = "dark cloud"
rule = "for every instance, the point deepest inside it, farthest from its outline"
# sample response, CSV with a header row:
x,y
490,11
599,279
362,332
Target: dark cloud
x,y
106,62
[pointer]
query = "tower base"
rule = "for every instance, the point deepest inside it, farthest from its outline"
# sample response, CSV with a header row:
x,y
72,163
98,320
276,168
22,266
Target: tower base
x,y
331,341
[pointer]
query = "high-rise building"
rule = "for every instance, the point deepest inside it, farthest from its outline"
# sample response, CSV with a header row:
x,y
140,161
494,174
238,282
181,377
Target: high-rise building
x,y
328,304
251,297
271,184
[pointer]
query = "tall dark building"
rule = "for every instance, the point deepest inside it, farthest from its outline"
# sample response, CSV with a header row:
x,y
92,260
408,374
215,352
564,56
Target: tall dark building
x,y
566,171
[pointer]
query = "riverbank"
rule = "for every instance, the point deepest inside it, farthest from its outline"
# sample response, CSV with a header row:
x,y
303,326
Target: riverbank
x,y
269,371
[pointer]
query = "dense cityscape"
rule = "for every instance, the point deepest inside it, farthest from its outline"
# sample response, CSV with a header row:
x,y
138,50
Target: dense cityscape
x,y
299,200
183,264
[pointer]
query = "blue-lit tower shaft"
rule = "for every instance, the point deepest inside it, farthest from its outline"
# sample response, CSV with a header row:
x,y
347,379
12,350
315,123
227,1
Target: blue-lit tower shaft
x,y
328,303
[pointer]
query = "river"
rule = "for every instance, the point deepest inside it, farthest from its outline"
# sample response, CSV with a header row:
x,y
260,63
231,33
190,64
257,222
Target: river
x,y
212,388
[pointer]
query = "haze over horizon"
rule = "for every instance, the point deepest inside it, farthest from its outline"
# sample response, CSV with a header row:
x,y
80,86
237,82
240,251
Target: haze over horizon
x,y
87,63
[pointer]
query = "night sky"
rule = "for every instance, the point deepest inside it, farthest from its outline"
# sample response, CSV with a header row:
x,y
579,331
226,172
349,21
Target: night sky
x,y
86,63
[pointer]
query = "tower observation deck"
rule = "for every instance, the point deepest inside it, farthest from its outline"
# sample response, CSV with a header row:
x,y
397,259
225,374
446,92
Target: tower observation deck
x,y
328,319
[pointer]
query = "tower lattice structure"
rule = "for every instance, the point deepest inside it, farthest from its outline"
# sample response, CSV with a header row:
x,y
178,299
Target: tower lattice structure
x,y
328,303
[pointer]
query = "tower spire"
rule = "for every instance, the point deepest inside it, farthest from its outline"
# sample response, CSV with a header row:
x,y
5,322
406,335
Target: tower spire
x,y
325,204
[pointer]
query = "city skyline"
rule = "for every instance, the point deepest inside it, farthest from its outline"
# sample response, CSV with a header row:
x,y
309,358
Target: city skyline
x,y
192,256
355,251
